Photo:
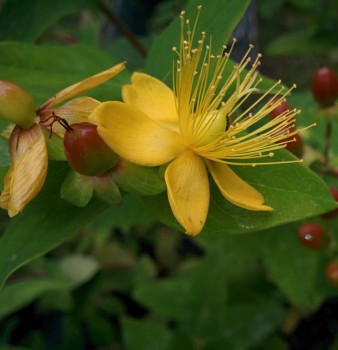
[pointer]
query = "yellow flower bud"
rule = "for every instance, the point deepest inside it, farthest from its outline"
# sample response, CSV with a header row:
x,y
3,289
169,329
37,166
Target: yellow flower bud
x,y
16,104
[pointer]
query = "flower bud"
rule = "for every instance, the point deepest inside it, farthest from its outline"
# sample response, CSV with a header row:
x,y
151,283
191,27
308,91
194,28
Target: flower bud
x,y
16,104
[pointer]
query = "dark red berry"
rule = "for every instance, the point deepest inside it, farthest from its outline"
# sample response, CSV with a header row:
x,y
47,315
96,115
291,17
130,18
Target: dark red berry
x,y
333,213
331,272
281,108
325,86
85,150
313,236
296,145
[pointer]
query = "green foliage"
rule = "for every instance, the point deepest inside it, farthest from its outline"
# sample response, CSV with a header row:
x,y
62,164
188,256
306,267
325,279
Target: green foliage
x,y
35,17
43,70
104,273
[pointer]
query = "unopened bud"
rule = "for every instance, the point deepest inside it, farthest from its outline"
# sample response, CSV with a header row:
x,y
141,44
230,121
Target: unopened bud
x,y
16,104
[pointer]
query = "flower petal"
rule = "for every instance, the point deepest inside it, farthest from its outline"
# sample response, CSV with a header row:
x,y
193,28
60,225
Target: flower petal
x,y
188,191
76,110
236,190
152,97
28,171
134,136
83,85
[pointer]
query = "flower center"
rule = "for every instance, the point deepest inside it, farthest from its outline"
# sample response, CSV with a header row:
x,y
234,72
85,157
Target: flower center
x,y
206,128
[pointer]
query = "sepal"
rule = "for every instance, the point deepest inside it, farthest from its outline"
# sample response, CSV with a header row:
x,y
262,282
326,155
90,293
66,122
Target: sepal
x,y
132,178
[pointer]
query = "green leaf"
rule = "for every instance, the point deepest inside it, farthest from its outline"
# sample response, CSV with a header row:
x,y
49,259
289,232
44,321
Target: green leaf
x,y
45,70
28,20
292,267
124,216
198,302
19,294
218,18
247,323
4,152
293,190
145,335
46,222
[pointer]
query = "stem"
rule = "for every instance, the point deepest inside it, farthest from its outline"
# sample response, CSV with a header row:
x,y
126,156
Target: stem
x,y
122,27
328,134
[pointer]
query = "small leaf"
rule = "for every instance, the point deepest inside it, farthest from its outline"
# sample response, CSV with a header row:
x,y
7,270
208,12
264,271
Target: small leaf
x,y
106,189
77,189
78,269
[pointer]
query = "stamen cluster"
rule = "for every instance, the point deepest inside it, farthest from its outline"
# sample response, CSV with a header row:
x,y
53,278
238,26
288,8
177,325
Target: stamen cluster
x,y
215,119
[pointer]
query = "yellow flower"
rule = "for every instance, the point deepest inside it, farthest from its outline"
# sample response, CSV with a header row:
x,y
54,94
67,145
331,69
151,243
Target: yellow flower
x,y
28,149
197,127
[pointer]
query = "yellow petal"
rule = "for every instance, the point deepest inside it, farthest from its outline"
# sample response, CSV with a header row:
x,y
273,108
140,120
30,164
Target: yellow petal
x,y
83,85
134,136
28,171
76,110
188,191
152,97
234,189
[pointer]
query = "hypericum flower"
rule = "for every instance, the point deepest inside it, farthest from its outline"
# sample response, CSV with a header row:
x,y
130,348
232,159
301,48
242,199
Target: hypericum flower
x,y
28,149
198,127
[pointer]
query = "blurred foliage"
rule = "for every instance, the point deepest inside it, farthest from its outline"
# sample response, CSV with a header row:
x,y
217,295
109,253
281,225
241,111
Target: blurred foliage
x,y
104,277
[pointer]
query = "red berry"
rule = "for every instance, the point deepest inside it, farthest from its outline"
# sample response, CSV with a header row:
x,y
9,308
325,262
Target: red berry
x,y
331,272
325,86
296,146
282,107
313,236
333,213
85,150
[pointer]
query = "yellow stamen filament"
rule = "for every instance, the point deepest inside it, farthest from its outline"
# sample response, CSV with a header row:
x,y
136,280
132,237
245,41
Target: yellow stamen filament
x,y
207,99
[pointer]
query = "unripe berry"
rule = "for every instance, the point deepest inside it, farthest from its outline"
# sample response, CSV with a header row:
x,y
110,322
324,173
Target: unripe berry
x,y
325,86
313,236
331,272
16,104
333,213
85,150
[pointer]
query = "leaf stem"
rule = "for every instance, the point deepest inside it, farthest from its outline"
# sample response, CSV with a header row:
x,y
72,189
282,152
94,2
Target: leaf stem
x,y
328,133
122,27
